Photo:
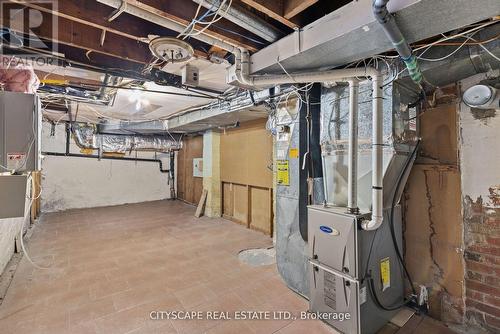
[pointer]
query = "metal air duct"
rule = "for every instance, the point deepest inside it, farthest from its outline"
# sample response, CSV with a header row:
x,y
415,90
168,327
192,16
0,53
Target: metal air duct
x,y
85,137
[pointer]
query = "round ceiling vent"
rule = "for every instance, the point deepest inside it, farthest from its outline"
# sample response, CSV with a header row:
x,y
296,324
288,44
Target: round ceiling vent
x,y
171,50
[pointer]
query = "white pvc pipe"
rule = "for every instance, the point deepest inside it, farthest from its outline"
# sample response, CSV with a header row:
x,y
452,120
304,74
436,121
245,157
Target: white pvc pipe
x,y
377,158
342,75
131,8
352,178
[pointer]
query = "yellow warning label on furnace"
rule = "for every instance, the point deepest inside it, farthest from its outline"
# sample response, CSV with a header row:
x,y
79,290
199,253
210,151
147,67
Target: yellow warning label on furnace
x,y
385,273
283,174
294,153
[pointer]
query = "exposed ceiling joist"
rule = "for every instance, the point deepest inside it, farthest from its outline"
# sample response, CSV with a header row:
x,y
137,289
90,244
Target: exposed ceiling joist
x,y
48,77
292,8
105,63
66,10
244,18
154,10
275,10
90,39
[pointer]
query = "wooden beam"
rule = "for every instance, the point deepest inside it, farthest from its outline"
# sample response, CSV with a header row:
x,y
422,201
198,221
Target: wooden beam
x,y
294,7
273,9
66,11
217,51
89,39
103,61
185,22
48,76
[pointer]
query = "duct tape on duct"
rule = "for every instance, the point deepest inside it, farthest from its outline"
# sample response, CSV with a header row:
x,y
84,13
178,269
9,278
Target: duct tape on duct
x,y
84,136
112,143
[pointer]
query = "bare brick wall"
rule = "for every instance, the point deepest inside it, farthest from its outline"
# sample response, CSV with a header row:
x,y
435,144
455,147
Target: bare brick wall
x,y
482,255
480,174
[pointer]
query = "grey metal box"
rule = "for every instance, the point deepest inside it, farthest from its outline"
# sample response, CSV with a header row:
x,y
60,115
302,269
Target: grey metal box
x,y
333,238
20,131
340,256
13,189
338,295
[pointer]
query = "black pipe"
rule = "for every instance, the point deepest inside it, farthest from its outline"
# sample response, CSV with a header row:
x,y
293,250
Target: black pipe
x,y
96,86
172,175
90,156
68,134
98,157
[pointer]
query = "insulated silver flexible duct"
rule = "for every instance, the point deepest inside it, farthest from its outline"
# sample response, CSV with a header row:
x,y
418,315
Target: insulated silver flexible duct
x,y
85,137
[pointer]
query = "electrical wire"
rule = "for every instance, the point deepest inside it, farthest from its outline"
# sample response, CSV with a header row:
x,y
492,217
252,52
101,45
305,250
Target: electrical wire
x,y
394,199
238,34
216,17
446,38
371,282
23,225
488,51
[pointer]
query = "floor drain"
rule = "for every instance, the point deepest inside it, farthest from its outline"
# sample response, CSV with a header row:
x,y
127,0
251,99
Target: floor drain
x,y
258,256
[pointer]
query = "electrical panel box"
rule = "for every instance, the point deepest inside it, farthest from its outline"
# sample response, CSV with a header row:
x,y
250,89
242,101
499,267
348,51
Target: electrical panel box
x,y
190,76
198,167
20,135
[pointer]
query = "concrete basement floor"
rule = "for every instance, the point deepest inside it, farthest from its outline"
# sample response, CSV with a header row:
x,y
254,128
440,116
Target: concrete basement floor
x,y
110,267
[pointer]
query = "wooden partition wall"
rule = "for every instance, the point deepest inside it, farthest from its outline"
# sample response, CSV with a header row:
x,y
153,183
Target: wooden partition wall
x,y
189,188
246,175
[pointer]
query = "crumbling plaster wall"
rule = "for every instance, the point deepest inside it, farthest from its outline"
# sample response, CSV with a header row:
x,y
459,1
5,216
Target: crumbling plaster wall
x,y
432,215
480,169
452,211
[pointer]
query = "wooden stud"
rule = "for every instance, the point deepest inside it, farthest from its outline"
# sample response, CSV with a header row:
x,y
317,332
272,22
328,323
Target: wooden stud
x,y
201,205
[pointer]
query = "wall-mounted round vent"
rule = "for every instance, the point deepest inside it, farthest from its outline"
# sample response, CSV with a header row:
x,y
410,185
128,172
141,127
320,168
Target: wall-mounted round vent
x,y
171,50
481,96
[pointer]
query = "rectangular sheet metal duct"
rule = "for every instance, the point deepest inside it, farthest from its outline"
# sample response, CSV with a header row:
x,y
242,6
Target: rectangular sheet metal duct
x,y
352,33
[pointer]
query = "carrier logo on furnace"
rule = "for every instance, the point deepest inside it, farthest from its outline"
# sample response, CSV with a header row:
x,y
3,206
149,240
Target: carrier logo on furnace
x,y
329,230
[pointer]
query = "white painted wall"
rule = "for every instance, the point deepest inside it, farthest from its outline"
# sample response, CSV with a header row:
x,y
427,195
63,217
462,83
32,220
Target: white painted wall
x,y
479,150
69,182
9,229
